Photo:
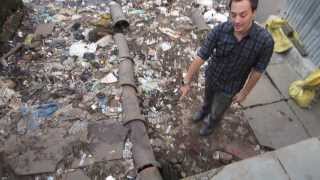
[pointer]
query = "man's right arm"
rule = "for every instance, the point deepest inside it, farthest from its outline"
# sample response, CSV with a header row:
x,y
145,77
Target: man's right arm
x,y
202,55
193,69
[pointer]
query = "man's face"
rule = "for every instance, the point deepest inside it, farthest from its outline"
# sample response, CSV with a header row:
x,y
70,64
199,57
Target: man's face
x,y
241,15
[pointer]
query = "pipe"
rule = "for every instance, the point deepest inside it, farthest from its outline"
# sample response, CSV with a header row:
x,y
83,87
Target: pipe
x,y
123,48
130,105
143,156
126,73
149,173
119,21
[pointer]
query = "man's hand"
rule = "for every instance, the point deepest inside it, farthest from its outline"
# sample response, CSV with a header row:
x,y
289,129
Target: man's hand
x,y
239,97
252,80
185,90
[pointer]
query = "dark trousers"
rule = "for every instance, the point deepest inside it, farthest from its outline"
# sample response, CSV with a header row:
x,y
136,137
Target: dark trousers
x,y
216,102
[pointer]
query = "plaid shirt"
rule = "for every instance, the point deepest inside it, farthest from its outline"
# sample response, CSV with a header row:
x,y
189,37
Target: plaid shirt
x,y
231,61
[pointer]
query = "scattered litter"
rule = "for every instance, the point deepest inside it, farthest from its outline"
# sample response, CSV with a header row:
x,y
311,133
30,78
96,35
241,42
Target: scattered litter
x,y
80,48
102,102
136,11
105,41
222,156
35,115
207,3
50,178
110,178
149,84
213,16
165,46
110,78
170,32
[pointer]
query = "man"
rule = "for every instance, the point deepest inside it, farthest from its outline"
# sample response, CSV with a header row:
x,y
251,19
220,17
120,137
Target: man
x,y
238,52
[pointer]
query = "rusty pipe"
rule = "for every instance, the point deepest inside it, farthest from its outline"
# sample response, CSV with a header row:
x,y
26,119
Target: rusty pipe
x,y
130,105
119,22
126,73
123,48
149,173
143,156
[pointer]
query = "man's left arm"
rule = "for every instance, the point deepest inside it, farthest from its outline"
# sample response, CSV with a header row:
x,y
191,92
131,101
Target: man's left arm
x,y
251,82
256,71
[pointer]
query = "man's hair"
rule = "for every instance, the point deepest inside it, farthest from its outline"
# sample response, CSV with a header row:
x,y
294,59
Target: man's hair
x,y
254,3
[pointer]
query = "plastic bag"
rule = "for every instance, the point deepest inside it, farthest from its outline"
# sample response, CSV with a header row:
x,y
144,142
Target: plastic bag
x,y
282,43
304,91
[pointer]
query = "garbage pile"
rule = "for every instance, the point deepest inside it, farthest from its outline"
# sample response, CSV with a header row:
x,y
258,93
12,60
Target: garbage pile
x,y
61,111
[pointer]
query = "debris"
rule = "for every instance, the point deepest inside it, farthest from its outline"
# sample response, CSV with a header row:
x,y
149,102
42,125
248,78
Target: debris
x,y
89,56
170,32
213,16
75,175
12,51
59,18
135,12
222,156
6,95
207,3
80,48
105,41
44,30
110,78
76,26
149,84
165,46
7,83
34,115
110,178
102,102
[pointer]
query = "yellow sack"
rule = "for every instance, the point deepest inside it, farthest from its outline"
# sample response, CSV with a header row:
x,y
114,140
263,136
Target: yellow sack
x,y
281,41
303,92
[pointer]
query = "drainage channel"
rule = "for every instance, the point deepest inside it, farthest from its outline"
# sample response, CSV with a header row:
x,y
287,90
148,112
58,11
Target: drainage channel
x,y
144,160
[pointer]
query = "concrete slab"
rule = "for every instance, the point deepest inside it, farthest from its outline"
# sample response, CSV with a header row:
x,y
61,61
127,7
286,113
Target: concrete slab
x,y
275,125
204,175
44,29
264,92
264,167
76,175
303,65
308,117
316,107
107,140
282,75
278,58
301,161
29,155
